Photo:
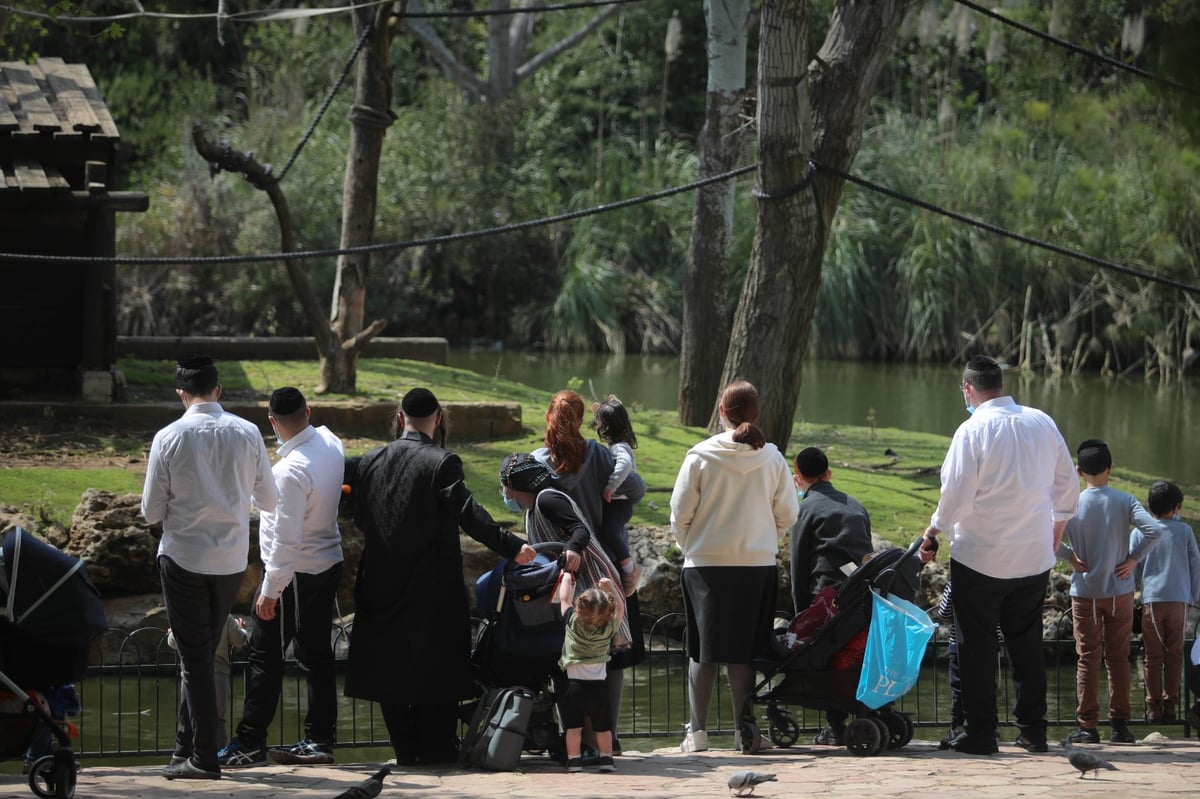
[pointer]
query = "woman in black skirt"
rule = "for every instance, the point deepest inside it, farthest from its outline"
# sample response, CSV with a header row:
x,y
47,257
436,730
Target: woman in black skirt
x,y
733,501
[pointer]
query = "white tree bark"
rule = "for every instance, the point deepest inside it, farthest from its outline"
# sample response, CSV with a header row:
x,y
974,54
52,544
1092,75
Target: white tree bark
x,y
706,272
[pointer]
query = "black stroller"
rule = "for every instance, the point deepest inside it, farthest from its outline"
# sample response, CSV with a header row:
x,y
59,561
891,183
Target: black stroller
x,y
519,639
809,681
51,615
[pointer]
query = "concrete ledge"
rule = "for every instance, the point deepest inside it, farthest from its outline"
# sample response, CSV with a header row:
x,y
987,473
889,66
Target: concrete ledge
x,y
467,420
248,348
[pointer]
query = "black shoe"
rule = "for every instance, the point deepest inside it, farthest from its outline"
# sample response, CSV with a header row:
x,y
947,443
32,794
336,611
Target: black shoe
x,y
306,752
1120,732
952,735
830,737
188,770
1193,715
575,765
605,765
1032,744
1084,735
975,745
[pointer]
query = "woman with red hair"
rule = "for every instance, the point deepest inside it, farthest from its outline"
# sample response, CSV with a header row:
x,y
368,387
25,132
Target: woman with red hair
x,y
581,468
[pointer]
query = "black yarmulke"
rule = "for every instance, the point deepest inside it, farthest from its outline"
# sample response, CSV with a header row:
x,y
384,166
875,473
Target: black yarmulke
x,y
286,401
419,403
195,362
812,462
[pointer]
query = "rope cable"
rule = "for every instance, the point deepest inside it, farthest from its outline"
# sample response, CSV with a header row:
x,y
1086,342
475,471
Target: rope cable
x,y
362,40
381,247
999,231
1074,48
286,14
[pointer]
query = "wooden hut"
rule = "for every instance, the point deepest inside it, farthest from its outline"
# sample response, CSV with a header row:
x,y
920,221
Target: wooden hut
x,y
58,150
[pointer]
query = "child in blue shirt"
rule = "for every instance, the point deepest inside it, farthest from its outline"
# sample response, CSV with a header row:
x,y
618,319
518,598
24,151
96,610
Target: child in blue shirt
x,y
1098,545
1170,575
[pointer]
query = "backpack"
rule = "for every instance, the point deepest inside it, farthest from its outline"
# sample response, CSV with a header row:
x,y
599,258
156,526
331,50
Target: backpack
x,y
496,735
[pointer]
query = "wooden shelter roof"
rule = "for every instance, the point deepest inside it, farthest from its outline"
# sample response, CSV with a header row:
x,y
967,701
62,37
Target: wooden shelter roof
x,y
56,134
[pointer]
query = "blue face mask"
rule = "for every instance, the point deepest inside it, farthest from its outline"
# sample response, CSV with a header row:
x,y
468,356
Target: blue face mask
x,y
799,494
1175,517
970,409
511,504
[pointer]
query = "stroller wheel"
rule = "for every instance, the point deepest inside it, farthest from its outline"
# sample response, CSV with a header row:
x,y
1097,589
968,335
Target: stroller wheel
x,y
751,738
53,776
900,728
884,733
784,730
863,737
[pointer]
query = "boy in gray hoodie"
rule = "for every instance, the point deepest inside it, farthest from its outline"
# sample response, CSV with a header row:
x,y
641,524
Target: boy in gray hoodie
x,y
1097,544
1170,575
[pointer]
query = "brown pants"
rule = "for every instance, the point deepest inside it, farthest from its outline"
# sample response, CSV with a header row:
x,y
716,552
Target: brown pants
x,y
1102,628
1162,633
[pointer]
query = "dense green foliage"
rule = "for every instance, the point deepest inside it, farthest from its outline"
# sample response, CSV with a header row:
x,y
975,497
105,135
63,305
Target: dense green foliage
x,y
971,115
900,493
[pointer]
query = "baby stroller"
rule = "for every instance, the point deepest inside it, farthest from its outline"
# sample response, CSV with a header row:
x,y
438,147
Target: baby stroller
x,y
520,637
809,680
51,613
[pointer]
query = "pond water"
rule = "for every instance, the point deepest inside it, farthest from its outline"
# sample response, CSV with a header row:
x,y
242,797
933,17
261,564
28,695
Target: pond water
x,y
1149,427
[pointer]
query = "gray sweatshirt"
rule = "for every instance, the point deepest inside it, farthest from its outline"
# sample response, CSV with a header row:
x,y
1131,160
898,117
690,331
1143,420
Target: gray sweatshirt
x,y
1099,535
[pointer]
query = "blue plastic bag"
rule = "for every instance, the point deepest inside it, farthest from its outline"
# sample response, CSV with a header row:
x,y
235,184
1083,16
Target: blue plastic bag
x,y
896,642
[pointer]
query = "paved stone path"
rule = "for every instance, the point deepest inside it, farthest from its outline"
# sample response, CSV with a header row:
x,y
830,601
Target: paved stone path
x,y
1168,768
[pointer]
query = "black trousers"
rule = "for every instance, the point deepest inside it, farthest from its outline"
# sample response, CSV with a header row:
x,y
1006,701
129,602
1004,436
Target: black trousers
x,y
422,734
980,603
198,606
304,616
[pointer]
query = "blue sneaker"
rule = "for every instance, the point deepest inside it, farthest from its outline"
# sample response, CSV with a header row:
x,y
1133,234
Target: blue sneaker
x,y
303,753
237,754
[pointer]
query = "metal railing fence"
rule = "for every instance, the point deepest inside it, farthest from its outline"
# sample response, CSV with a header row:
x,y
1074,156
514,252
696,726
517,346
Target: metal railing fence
x,y
130,703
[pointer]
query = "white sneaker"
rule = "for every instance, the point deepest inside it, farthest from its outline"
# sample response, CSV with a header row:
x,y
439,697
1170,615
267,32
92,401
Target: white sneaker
x,y
694,741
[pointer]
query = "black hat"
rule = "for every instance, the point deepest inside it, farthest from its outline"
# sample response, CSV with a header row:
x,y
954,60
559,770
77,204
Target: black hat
x,y
196,375
524,473
811,462
419,403
195,362
286,401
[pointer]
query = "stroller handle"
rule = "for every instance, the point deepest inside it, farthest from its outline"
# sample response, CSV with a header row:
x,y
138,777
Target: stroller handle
x,y
886,577
551,549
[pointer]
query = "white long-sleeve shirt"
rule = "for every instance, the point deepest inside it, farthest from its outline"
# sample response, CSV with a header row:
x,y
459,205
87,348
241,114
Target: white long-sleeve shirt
x,y
1007,478
302,534
204,471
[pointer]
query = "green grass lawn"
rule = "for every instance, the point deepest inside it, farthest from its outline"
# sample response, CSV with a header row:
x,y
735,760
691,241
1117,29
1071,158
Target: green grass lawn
x,y
893,472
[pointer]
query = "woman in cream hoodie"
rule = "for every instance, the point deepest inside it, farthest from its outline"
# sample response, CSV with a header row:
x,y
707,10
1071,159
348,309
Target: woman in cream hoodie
x,y
733,501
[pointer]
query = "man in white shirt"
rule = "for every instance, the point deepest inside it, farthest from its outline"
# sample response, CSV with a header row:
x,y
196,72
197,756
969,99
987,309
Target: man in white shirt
x,y
1008,488
301,549
202,474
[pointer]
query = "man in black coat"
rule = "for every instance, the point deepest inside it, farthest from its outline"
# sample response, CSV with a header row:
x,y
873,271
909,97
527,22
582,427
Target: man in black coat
x,y
410,646
832,534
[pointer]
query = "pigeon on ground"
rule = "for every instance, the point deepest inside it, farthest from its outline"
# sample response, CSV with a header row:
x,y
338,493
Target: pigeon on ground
x,y
746,780
1085,761
367,789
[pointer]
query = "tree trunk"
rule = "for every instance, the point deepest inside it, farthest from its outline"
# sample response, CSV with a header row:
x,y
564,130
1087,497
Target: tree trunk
x,y
370,118
774,315
231,160
706,271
